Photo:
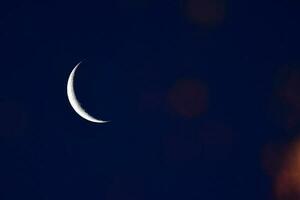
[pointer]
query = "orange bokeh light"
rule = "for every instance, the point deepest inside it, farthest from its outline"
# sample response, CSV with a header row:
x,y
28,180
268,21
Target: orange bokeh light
x,y
287,179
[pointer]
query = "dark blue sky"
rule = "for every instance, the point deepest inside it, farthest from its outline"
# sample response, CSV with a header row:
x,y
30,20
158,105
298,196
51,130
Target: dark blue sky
x,y
134,53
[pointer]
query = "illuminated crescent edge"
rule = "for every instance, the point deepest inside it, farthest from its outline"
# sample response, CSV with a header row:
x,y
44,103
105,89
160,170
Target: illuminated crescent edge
x,y
75,103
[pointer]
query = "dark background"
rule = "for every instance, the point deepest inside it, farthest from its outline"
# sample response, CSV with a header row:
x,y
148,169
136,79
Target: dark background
x,y
187,84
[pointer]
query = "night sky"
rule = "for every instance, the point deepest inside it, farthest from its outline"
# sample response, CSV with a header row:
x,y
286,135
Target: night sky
x,y
203,98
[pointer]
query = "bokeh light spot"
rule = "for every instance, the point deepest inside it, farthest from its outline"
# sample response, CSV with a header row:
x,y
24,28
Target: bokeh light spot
x,y
207,13
287,96
188,98
287,180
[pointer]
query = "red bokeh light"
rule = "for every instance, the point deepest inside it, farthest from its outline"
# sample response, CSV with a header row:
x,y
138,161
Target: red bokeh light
x,y
287,181
188,98
288,96
206,12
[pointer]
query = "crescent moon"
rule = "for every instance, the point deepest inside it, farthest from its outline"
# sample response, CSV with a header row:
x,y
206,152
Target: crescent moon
x,y
75,103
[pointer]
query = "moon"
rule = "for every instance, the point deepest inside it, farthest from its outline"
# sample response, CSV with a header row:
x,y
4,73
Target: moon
x,y
74,101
